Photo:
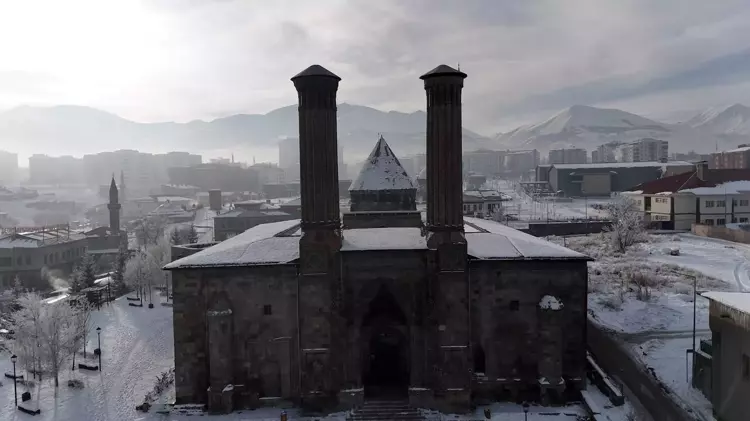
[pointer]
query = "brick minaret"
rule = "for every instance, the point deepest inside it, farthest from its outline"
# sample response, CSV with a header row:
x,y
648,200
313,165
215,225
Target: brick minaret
x,y
444,176
449,315
114,208
321,233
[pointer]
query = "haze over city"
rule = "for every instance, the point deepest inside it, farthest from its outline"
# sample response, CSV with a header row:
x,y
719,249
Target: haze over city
x,y
157,61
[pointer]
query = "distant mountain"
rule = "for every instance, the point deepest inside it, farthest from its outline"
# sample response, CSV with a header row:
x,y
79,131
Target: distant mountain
x,y
78,130
724,121
584,127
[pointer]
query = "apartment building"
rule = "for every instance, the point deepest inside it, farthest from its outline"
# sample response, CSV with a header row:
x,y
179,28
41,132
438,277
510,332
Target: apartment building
x,y
142,173
704,196
567,156
485,162
604,153
56,170
8,167
645,150
738,158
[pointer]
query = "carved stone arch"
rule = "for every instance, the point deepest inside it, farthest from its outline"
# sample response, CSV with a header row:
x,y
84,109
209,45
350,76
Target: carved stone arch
x,y
371,290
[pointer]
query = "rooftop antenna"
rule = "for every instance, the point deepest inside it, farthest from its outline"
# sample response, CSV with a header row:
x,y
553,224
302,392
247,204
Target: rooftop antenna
x,y
459,66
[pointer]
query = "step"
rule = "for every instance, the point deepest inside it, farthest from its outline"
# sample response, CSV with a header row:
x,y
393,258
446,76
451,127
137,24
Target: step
x,y
386,410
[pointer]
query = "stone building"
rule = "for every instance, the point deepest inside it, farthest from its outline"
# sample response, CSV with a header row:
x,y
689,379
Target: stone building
x,y
327,312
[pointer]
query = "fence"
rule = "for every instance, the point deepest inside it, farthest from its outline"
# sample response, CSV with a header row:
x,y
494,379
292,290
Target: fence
x,y
724,233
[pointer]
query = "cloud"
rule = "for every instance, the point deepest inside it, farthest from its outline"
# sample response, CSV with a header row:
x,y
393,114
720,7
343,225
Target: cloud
x,y
187,59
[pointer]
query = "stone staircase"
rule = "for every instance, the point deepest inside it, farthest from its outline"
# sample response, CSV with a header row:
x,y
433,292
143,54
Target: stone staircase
x,y
386,410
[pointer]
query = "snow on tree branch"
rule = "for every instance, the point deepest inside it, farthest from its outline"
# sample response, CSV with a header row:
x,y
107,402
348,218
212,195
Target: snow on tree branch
x,y
627,223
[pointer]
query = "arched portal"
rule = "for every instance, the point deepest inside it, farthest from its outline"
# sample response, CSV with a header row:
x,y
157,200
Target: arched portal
x,y
385,369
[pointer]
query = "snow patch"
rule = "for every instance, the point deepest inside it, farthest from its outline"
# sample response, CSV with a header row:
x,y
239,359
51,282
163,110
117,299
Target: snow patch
x,y
549,302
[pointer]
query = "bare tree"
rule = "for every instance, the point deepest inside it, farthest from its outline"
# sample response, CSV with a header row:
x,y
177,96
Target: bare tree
x,y
150,230
626,228
27,323
58,334
81,326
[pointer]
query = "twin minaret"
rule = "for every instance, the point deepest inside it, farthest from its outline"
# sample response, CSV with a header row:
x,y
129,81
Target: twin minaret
x,y
320,312
316,88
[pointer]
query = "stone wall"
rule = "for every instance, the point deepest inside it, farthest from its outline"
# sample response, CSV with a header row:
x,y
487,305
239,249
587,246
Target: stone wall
x,y
724,233
619,362
262,302
403,274
513,333
544,229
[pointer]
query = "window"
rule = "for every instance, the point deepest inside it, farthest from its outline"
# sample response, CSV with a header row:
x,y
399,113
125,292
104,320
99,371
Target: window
x,y
709,203
721,221
708,222
721,203
743,202
19,261
743,220
745,367
267,310
514,305
28,259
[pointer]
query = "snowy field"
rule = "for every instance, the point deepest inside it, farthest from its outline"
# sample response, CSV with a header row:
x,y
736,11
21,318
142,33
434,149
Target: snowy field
x,y
527,209
137,345
657,321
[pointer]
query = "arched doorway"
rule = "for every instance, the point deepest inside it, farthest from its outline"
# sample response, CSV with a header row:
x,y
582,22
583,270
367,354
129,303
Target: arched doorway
x,y
385,368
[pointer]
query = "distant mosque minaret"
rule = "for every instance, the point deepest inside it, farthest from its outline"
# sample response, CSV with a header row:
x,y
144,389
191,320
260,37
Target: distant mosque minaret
x,y
114,208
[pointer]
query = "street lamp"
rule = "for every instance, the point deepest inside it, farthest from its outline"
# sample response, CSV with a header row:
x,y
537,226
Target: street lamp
x,y
526,411
15,386
99,338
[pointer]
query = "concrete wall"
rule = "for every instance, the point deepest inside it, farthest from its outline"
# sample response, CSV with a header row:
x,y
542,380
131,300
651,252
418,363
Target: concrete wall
x,y
545,229
738,236
730,385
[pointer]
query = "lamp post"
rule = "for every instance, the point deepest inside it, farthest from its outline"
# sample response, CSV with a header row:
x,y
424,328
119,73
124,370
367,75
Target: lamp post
x,y
99,338
15,386
526,411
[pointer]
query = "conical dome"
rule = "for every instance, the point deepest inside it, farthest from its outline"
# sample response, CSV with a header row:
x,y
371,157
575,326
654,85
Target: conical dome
x,y
382,171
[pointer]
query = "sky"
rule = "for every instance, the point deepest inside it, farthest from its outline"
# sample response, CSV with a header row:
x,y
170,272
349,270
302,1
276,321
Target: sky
x,y
180,60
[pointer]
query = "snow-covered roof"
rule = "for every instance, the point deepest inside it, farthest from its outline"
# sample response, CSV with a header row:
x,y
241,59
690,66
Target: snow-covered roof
x,y
742,149
732,187
382,171
498,241
278,243
258,245
739,301
383,239
623,165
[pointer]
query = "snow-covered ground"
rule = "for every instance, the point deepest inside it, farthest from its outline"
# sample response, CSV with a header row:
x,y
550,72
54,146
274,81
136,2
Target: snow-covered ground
x,y
525,208
137,345
658,327
712,264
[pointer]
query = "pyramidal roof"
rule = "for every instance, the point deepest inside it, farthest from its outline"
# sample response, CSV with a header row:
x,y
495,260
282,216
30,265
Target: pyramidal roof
x,y
382,171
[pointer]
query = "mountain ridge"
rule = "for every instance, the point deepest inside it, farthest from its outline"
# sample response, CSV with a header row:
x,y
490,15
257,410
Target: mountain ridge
x,y
83,129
